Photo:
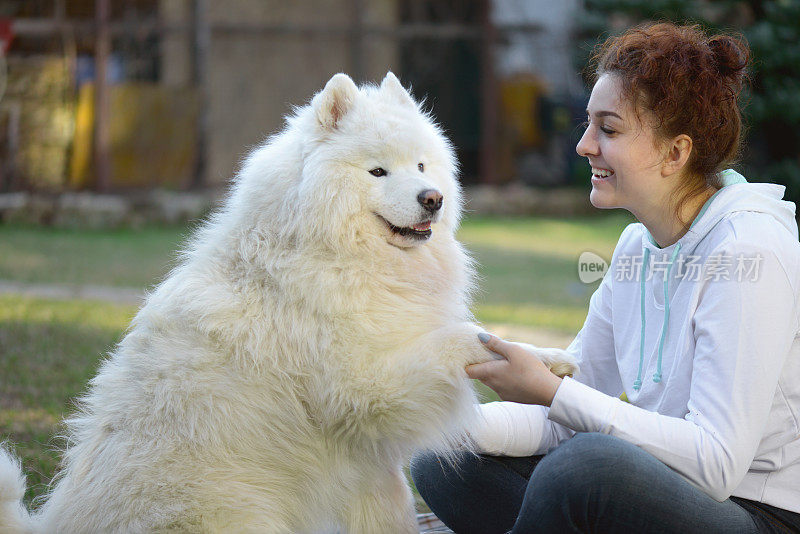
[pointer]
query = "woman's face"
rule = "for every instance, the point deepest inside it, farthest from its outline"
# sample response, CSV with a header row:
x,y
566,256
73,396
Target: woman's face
x,y
626,166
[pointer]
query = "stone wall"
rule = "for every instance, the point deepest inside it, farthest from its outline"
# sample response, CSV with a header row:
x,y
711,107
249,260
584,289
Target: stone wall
x,y
89,210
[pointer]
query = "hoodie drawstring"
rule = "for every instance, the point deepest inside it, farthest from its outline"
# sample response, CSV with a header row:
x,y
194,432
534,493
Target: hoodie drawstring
x,y
645,263
642,275
764,198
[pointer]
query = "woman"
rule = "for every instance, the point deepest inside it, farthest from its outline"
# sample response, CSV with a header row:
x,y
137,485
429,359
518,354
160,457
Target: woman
x,y
696,322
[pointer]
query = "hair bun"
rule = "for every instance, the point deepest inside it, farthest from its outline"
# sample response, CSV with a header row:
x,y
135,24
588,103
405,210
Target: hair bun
x,y
731,55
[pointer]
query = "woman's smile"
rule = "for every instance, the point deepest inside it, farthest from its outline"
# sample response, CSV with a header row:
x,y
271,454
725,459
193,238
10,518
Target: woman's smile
x,y
600,175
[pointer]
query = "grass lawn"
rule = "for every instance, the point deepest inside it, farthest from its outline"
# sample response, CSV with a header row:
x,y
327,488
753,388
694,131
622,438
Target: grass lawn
x,y
127,258
528,266
48,352
49,349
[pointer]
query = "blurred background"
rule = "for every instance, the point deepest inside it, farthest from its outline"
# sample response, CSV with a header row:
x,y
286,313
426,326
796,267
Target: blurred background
x,y
131,95
122,122
134,95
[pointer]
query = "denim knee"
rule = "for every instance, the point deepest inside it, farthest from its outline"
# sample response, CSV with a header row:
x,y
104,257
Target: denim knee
x,y
590,460
426,468
446,489
593,446
470,493
599,483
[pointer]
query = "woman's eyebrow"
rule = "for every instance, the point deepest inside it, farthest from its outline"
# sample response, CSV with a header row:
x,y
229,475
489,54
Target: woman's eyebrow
x,y
605,114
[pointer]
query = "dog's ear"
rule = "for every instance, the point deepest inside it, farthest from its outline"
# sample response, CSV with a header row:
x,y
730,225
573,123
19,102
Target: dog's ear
x,y
392,86
334,101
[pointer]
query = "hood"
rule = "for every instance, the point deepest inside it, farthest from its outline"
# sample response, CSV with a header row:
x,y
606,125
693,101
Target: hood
x,y
735,195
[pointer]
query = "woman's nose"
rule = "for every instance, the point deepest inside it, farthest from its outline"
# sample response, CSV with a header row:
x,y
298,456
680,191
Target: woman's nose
x,y
587,146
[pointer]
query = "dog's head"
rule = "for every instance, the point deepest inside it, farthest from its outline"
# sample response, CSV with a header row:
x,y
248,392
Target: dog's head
x,y
377,166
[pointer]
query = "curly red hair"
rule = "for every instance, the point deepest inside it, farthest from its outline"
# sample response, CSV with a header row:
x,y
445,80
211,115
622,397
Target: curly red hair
x,y
690,82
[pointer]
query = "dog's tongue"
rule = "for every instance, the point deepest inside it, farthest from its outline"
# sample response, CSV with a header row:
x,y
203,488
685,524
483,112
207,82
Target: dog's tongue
x,y
422,227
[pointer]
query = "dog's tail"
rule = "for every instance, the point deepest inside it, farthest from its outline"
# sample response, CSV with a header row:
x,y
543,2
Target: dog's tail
x,y
14,518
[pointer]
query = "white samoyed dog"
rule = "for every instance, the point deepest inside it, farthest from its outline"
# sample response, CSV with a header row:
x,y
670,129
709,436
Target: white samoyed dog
x,y
313,337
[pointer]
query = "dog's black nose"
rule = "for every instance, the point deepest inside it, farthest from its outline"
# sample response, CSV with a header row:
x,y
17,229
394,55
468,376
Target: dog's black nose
x,y
430,199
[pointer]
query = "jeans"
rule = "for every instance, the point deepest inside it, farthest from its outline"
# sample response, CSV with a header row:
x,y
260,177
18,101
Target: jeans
x,y
590,483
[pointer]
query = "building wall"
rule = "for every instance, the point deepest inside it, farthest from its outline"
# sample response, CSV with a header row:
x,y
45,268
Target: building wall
x,y
176,46
255,77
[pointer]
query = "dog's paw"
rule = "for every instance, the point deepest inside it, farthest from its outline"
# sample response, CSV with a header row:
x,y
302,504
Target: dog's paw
x,y
559,361
472,350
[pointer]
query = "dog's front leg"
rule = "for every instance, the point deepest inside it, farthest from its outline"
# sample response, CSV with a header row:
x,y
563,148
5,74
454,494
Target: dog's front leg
x,y
559,361
384,506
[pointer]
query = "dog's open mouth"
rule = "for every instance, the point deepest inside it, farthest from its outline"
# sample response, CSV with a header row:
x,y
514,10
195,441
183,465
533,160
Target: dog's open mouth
x,y
419,231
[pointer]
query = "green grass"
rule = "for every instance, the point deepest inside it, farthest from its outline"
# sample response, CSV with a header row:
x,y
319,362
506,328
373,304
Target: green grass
x,y
529,267
49,349
132,258
48,352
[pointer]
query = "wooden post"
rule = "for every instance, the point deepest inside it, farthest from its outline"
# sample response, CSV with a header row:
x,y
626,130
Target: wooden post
x,y
357,40
102,161
488,145
10,177
201,40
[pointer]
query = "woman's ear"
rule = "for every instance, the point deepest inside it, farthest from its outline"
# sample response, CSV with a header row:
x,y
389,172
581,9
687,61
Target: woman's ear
x,y
679,150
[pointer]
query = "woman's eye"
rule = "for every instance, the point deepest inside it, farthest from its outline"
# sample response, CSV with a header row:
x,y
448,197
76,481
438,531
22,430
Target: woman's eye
x,y
378,171
607,130
421,167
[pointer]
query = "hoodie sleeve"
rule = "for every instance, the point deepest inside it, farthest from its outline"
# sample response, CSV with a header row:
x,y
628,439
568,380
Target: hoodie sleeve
x,y
743,331
512,429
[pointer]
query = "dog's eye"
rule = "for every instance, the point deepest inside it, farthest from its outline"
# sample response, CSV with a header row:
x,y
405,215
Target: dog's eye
x,y
421,167
378,171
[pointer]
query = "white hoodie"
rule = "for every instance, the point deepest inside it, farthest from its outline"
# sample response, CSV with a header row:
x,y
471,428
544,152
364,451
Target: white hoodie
x,y
720,402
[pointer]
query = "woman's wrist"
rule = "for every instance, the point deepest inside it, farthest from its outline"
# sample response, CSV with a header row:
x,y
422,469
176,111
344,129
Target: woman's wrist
x,y
551,387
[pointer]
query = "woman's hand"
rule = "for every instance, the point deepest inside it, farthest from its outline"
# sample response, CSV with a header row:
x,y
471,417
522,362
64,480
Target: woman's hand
x,y
520,377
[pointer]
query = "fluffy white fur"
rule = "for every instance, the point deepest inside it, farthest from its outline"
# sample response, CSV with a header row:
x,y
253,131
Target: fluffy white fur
x,y
280,376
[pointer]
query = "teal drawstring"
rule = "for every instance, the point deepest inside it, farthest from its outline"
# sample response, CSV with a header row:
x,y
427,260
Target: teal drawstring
x,y
643,274
645,263
728,177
